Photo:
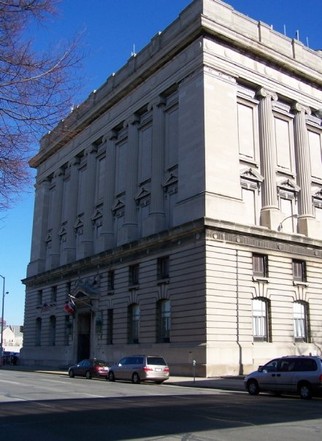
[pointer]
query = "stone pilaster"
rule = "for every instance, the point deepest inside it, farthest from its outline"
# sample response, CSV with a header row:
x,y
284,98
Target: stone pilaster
x,y
108,223
157,214
56,211
70,244
40,224
269,211
303,169
88,195
130,226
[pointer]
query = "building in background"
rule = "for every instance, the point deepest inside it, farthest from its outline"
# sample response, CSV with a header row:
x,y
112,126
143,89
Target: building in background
x,y
178,210
12,338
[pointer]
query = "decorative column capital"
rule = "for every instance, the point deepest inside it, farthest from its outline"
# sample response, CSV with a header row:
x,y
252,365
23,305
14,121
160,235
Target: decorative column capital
x,y
132,120
112,135
300,108
91,149
43,183
59,172
265,93
159,101
74,162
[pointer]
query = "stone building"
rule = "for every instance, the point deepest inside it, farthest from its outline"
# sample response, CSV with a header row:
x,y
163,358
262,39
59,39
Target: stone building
x,y
178,210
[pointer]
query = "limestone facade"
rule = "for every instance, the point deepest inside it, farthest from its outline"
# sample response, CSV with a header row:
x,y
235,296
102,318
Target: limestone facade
x,y
178,210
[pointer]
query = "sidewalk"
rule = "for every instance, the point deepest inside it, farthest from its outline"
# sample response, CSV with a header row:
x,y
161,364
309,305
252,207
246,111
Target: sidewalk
x,y
234,383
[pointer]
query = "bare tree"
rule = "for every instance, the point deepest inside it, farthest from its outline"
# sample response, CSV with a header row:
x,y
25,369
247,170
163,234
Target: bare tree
x,y
35,89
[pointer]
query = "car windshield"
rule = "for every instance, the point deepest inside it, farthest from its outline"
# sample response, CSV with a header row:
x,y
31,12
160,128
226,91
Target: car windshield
x,y
156,360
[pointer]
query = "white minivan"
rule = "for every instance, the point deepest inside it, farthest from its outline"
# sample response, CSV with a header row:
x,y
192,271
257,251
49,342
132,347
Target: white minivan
x,y
300,375
137,368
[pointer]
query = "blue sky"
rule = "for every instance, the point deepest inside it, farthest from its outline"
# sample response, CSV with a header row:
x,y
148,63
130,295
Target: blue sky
x,y
111,29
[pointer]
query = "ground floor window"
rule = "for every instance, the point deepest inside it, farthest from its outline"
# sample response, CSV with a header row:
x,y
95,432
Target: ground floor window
x,y
163,321
260,319
133,323
300,311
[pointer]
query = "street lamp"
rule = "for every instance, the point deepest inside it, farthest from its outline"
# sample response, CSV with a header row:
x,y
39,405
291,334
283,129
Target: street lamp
x,y
280,225
2,312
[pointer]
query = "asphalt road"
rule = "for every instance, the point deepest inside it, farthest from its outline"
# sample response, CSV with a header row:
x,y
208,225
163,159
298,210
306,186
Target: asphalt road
x,y
57,408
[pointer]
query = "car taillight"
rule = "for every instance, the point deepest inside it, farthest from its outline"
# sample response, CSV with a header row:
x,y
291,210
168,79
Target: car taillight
x,y
320,379
166,369
147,369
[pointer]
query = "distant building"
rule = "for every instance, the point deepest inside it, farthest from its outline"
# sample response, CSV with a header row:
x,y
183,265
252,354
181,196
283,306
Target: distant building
x,y
178,210
12,338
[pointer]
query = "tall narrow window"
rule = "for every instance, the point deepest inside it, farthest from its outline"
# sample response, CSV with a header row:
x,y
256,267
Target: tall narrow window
x,y
38,332
260,319
249,199
110,318
299,270
246,130
260,265
133,323
283,143
163,321
110,280
53,294
301,326
133,275
39,297
251,181
163,268
52,330
315,154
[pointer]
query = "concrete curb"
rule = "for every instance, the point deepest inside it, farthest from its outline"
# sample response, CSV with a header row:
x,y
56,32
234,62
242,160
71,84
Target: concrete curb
x,y
232,383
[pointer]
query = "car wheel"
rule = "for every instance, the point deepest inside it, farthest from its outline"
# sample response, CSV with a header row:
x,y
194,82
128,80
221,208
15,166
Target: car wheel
x,y
136,378
305,391
159,382
111,376
252,387
88,375
71,374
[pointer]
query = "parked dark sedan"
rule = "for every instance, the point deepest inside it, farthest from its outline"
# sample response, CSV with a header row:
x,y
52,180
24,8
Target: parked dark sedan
x,y
89,368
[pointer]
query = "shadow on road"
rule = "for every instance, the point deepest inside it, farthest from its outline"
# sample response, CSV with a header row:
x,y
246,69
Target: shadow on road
x,y
143,418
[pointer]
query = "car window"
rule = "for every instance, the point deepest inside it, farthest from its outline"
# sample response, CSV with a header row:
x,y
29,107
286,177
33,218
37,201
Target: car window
x,y
159,361
283,365
292,365
306,364
271,366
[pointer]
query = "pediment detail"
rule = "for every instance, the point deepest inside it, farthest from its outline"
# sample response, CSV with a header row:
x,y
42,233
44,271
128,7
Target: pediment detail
x,y
251,174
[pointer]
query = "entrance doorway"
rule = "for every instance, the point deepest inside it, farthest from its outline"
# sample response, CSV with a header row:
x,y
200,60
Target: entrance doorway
x,y
83,336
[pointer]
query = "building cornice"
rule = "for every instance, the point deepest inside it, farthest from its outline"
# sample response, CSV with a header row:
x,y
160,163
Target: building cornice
x,y
200,231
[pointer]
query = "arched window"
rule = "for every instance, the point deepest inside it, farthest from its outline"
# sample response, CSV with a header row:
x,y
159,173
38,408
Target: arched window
x,y
301,322
133,323
261,319
163,325
52,330
38,332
